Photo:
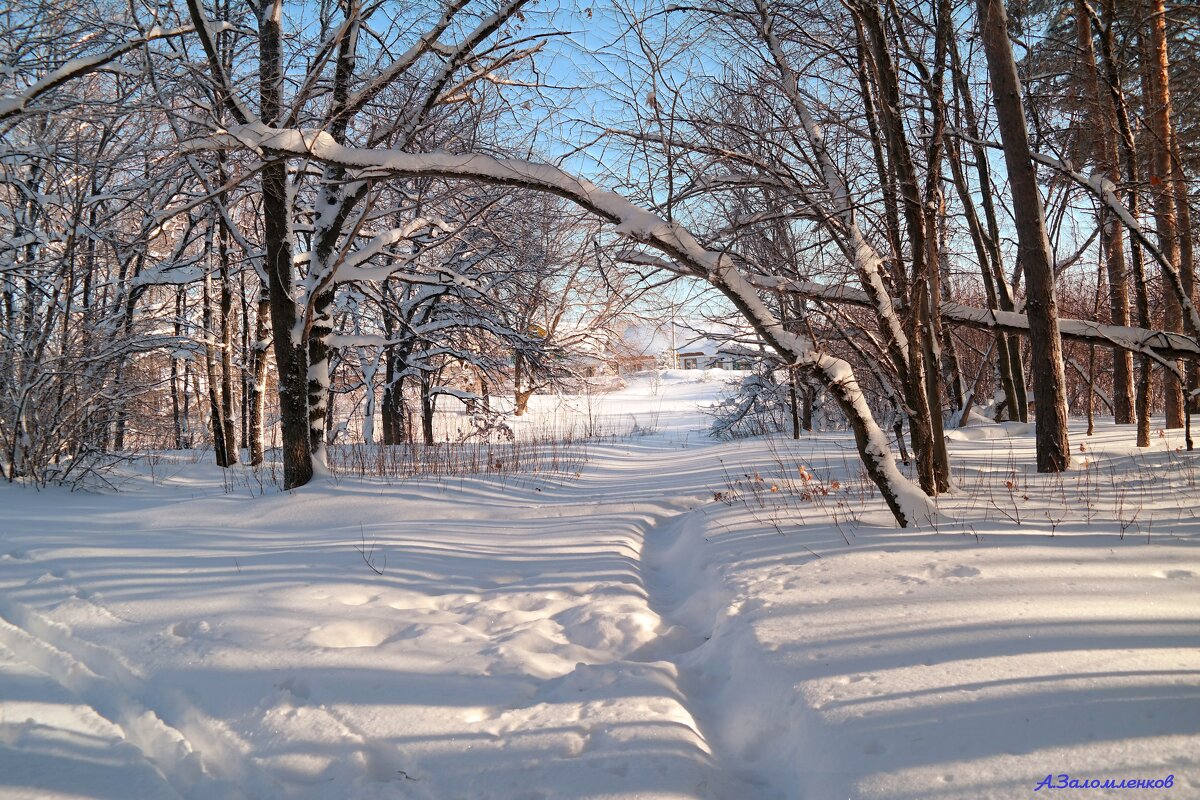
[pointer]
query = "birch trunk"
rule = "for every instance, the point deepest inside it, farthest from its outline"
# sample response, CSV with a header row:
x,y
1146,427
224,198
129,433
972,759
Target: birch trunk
x,y
924,373
906,355
228,425
257,387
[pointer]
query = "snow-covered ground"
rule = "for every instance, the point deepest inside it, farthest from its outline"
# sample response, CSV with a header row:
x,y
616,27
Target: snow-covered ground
x,y
684,619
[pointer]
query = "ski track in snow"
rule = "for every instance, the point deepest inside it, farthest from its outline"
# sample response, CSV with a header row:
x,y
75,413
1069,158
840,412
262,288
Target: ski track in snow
x,y
617,635
163,728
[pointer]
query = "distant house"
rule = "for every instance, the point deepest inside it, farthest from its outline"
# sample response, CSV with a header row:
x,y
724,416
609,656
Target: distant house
x,y
698,359
633,362
636,347
692,360
704,353
588,366
641,346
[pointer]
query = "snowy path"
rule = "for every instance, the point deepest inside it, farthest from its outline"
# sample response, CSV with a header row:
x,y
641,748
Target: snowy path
x,y
622,634
250,650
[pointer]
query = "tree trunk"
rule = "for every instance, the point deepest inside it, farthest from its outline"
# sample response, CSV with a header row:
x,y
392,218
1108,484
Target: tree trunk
x,y
212,342
186,411
793,398
227,335
318,379
979,240
1157,89
247,370
907,503
427,408
290,356
290,359
523,386
1187,263
925,395
176,409
1053,445
1102,123
392,407
955,381
1011,366
257,387
1129,158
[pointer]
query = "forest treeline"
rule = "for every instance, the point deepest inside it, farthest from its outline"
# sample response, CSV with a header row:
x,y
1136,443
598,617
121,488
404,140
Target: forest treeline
x,y
256,224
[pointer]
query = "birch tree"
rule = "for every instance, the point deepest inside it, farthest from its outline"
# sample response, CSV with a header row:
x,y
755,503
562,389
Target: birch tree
x,y
347,90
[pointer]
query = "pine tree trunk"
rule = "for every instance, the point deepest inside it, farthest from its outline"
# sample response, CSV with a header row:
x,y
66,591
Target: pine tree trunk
x,y
1132,174
1053,445
1102,123
1162,186
1187,263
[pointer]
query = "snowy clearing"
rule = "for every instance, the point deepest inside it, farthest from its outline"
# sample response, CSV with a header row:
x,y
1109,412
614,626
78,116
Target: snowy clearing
x,y
684,619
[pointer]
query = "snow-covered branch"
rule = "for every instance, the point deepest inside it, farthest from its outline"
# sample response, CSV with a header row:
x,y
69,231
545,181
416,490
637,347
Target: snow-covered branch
x,y
908,503
1106,192
1163,344
13,105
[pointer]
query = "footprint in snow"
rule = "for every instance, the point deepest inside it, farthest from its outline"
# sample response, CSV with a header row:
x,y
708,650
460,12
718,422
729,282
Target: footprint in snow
x,y
297,687
1175,574
936,571
190,628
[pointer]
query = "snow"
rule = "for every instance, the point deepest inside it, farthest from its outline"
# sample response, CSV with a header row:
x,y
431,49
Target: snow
x,y
621,634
